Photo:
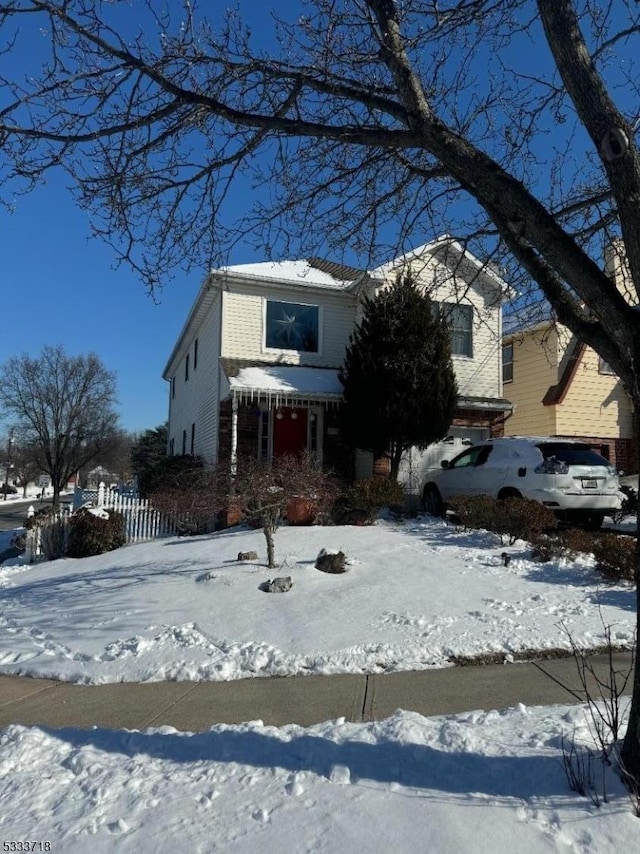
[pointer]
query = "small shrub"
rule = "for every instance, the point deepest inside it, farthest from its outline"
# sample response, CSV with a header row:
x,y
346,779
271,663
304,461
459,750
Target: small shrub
x,y
91,534
616,556
50,527
513,518
361,502
563,543
629,504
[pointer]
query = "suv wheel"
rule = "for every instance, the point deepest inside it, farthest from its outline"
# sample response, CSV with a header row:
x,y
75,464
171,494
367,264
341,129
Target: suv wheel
x,y
509,493
591,521
432,500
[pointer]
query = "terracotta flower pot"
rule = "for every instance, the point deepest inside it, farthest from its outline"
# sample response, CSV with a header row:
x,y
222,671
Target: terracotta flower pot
x,y
301,511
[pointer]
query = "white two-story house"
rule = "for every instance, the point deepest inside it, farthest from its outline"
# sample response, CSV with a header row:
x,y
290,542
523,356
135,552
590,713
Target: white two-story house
x,y
255,367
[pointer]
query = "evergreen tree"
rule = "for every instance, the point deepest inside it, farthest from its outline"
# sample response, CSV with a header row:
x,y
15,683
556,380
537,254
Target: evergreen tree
x,y
148,453
399,384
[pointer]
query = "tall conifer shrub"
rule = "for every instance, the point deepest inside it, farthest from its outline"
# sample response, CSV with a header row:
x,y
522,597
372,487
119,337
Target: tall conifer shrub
x,y
399,384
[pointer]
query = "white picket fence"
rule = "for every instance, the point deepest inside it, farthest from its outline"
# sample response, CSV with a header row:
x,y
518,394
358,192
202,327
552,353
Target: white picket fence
x,y
141,521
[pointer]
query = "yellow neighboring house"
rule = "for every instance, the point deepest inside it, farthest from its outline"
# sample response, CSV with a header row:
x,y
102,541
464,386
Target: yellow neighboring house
x,y
560,387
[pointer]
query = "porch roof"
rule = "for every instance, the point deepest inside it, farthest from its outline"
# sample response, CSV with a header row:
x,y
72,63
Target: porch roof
x,y
281,384
499,404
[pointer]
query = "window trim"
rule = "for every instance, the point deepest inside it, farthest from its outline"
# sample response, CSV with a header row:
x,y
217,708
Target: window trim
x,y
193,437
195,355
186,368
267,349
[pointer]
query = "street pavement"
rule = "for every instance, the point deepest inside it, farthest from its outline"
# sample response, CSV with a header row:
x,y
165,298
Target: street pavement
x,y
304,700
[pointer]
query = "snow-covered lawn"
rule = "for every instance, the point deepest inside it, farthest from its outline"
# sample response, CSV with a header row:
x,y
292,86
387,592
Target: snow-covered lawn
x,y
414,596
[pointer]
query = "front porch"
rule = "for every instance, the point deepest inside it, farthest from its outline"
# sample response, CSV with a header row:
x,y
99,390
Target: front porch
x,y
273,410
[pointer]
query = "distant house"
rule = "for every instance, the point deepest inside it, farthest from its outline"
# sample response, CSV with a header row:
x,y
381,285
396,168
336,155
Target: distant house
x,y
561,387
255,367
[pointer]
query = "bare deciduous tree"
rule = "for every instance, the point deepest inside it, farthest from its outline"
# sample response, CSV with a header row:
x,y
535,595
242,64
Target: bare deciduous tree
x,y
62,407
511,122
25,467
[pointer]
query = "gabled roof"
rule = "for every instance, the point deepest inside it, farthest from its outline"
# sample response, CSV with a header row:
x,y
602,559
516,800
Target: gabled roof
x,y
444,246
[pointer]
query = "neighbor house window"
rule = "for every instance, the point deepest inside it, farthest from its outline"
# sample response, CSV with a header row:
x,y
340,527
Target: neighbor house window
x,y
195,354
292,326
507,363
186,369
605,367
460,321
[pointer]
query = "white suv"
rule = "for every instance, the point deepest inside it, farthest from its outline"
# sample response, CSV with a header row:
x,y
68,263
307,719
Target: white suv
x,y
568,477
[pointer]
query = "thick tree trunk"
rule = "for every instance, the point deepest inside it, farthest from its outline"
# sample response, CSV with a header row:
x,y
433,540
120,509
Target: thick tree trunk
x,y
630,755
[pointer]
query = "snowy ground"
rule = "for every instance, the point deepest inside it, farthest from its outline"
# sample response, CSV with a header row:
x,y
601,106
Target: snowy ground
x,y
480,782
415,595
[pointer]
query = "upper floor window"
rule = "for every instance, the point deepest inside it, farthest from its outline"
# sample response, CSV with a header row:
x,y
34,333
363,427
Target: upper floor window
x,y
186,369
173,387
507,363
460,320
195,354
292,326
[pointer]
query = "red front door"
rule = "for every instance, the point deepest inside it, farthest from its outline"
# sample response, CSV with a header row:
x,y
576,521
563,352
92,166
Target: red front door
x,y
290,431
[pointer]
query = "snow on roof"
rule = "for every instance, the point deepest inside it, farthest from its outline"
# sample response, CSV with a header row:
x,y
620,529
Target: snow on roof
x,y
286,383
300,272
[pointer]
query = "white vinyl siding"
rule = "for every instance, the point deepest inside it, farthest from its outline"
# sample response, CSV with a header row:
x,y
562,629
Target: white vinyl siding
x,y
243,325
196,402
480,374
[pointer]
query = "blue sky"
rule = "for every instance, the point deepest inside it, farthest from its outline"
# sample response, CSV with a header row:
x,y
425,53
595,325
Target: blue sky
x,y
59,287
